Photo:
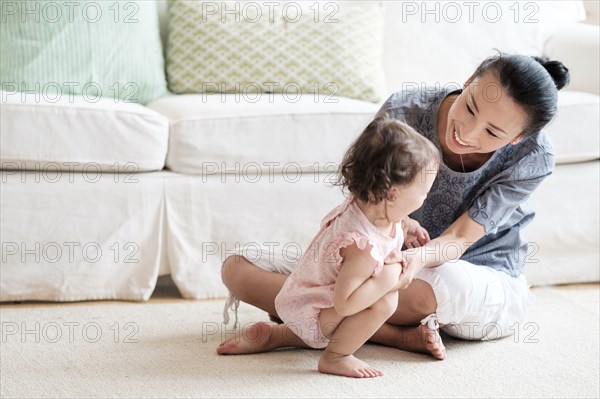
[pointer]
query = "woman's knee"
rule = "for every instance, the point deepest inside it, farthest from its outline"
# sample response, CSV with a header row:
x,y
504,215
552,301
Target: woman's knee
x,y
232,272
418,297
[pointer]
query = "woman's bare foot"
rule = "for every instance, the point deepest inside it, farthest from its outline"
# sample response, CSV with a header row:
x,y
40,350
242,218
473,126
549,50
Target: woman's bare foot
x,y
254,339
261,337
423,339
346,365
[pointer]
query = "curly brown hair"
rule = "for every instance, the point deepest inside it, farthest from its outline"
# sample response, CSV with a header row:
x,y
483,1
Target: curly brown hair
x,y
387,153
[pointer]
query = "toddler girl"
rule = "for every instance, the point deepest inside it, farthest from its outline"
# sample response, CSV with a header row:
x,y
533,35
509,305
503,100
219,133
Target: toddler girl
x,y
341,292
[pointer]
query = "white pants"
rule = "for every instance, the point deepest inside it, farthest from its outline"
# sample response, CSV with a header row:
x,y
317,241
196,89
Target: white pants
x,y
477,302
473,302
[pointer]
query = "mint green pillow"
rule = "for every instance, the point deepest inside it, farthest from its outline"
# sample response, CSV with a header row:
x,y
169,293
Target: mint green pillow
x,y
90,48
293,48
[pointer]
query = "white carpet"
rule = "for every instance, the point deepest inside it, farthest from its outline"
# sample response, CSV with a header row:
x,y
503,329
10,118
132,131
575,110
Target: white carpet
x,y
174,358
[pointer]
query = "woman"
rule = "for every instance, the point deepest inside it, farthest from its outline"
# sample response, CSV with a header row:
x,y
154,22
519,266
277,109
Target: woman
x,y
469,276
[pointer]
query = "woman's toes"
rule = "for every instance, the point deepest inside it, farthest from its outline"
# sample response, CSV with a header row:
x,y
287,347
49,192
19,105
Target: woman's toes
x,y
223,349
437,351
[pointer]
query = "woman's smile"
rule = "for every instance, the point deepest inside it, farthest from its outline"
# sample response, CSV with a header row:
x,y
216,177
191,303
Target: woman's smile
x,y
457,142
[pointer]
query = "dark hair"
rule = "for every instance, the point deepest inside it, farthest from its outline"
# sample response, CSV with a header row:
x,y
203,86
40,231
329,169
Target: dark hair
x,y
532,82
387,153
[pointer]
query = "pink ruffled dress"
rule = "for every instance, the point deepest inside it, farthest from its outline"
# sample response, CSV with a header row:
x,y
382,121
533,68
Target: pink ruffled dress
x,y
309,288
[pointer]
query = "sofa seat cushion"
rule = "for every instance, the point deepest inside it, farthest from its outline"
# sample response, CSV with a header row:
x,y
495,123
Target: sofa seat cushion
x,y
228,133
564,236
575,130
73,133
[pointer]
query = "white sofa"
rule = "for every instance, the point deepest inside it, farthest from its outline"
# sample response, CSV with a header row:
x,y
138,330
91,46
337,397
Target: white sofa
x,y
201,176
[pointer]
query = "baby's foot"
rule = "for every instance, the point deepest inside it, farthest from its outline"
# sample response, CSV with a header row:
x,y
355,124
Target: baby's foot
x,y
346,365
254,339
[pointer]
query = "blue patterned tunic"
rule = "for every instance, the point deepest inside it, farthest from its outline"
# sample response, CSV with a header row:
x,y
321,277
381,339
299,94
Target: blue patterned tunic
x,y
494,195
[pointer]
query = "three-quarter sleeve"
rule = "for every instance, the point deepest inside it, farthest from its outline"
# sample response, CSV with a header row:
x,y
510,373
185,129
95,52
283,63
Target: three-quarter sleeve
x,y
496,204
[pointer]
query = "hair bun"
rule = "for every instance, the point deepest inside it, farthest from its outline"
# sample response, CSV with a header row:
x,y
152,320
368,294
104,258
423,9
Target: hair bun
x,y
557,70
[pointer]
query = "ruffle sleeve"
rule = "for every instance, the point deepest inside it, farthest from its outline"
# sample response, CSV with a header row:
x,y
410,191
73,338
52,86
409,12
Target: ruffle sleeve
x,y
361,241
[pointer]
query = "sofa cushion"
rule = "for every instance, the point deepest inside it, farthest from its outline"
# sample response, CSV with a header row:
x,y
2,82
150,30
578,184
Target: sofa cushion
x,y
427,42
575,130
578,47
274,47
214,133
564,236
98,49
75,134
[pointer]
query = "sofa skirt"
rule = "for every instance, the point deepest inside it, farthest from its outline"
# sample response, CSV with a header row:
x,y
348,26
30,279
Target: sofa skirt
x,y
76,236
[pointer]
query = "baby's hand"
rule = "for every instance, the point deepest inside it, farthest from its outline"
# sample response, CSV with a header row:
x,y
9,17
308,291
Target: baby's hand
x,y
415,235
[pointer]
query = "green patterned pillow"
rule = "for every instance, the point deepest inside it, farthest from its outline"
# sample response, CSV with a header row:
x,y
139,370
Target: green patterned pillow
x,y
90,48
276,47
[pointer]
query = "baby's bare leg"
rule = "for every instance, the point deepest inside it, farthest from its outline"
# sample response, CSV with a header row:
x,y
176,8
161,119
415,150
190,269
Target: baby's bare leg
x,y
350,334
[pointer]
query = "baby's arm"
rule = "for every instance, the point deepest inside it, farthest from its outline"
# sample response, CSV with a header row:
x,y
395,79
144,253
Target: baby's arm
x,y
355,289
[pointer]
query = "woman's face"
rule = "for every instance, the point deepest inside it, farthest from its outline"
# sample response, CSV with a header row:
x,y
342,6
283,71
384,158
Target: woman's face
x,y
483,118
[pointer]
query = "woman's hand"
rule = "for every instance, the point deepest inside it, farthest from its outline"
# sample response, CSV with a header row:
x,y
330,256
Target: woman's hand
x,y
387,280
395,257
411,265
414,235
